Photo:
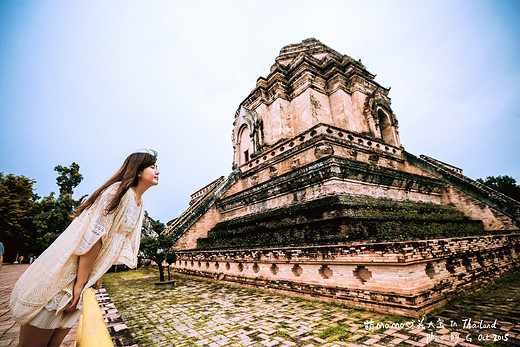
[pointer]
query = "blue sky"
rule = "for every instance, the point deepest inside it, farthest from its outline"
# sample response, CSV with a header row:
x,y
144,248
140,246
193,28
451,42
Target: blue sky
x,y
93,81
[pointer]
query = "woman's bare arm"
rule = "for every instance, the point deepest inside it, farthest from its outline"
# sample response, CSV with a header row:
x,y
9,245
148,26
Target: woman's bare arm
x,y
84,265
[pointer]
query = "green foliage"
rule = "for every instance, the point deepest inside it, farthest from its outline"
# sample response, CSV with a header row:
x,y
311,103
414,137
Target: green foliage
x,y
503,184
57,212
171,258
151,227
30,223
69,178
19,212
157,226
159,250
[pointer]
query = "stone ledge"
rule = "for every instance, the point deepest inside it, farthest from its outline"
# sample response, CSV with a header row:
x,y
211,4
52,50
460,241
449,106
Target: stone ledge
x,y
119,331
488,196
403,251
329,168
340,219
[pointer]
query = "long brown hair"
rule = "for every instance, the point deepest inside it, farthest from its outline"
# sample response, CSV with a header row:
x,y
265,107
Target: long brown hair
x,y
128,175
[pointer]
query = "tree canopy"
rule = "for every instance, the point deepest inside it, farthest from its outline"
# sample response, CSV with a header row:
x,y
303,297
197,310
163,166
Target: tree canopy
x,y
19,216
151,227
69,178
159,250
30,223
503,184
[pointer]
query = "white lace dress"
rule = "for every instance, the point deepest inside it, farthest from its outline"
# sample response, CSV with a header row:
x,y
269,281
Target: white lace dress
x,y
45,288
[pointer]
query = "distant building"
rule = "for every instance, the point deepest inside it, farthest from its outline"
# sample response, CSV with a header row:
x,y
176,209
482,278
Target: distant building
x,y
325,202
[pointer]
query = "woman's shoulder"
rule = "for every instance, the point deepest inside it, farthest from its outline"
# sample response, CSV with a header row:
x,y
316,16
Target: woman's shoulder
x,y
127,198
114,186
109,192
112,189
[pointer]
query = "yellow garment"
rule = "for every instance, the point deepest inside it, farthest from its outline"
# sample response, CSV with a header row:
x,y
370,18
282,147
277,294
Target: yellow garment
x,y
48,283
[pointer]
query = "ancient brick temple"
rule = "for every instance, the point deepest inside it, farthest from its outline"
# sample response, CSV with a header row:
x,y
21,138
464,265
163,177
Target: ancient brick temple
x,y
325,202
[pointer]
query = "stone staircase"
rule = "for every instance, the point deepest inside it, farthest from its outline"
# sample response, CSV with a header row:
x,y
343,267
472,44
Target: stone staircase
x,y
481,192
200,206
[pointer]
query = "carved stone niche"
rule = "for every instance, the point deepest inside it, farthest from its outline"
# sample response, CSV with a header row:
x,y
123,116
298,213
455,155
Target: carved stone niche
x,y
247,136
323,150
295,163
373,158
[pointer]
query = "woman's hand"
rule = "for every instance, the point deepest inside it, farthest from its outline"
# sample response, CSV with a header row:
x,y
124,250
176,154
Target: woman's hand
x,y
84,265
98,283
76,292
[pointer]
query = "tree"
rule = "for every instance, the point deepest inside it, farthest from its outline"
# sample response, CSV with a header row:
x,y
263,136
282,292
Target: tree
x,y
158,250
69,178
503,184
29,224
19,212
171,258
57,212
157,226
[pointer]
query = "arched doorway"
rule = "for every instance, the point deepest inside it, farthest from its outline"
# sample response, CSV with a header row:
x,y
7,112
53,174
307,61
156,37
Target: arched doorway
x,y
244,145
385,126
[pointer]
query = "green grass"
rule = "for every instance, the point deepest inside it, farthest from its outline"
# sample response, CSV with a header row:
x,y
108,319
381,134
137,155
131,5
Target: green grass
x,y
283,334
339,332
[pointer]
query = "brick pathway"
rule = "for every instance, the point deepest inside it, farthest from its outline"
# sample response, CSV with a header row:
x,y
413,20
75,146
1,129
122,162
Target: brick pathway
x,y
9,329
200,313
119,331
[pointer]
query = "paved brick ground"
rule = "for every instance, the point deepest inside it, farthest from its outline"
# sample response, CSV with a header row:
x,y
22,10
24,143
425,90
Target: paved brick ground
x,y
119,331
200,313
9,329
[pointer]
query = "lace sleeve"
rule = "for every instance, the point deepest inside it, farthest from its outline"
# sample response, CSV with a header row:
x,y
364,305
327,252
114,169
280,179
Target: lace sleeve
x,y
128,255
96,220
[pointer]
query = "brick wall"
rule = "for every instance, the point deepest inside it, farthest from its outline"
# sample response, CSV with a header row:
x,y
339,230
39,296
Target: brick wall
x,y
409,278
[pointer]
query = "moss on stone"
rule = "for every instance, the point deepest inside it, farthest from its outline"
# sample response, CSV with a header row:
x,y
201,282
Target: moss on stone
x,y
339,220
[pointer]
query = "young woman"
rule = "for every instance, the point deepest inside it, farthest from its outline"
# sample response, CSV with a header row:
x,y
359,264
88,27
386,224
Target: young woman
x,y
46,300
